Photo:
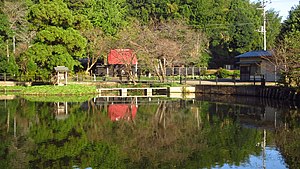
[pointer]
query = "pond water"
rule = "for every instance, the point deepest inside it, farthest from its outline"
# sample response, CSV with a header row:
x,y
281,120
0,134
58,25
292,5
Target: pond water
x,y
205,132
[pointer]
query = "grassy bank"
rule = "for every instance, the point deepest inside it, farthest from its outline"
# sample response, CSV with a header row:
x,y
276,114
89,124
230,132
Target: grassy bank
x,y
56,98
73,89
50,90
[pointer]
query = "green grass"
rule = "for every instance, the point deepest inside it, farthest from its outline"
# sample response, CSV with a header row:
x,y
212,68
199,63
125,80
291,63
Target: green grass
x,y
7,88
60,90
73,89
56,98
50,90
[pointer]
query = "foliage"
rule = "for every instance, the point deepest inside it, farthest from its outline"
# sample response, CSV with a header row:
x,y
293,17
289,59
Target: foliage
x,y
164,134
57,43
98,46
286,54
165,44
50,13
292,23
110,16
69,98
230,25
5,32
8,65
60,90
48,33
223,73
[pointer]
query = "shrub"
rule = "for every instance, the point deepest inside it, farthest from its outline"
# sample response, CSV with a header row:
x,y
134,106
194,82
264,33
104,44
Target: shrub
x,y
223,73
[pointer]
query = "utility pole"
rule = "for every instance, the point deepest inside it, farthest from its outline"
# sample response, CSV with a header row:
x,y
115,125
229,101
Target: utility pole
x,y
264,26
264,30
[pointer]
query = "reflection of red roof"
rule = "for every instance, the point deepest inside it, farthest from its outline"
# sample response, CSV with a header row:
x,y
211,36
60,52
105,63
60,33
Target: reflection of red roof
x,y
122,111
121,56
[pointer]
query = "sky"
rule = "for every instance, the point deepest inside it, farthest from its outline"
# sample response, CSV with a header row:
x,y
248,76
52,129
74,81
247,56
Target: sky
x,y
282,6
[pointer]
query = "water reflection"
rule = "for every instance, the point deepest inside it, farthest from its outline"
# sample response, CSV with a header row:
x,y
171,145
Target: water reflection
x,y
206,132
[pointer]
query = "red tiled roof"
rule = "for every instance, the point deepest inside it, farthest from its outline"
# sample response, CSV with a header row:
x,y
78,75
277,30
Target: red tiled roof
x,y
121,56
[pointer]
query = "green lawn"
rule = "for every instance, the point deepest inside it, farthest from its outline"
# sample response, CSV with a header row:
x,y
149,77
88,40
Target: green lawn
x,y
51,90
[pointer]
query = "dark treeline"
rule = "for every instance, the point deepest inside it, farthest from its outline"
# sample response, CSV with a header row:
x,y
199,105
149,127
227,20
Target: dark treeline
x,y
36,35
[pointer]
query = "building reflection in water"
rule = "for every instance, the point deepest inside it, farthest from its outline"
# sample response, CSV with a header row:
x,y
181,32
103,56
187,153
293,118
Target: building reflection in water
x,y
118,112
61,110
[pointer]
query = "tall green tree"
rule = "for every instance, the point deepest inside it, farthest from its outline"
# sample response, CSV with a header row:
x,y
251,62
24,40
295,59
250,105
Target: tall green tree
x,y
273,28
155,10
230,25
292,23
58,41
110,16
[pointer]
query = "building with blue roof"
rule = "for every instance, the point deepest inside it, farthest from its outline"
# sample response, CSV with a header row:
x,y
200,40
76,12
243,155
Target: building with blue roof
x,y
255,65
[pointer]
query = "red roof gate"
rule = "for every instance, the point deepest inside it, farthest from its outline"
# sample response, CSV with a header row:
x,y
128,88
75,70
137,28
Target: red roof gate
x,y
121,56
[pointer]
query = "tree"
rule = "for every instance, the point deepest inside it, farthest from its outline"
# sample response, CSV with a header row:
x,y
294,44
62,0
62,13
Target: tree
x,y
15,11
286,55
7,64
292,23
287,58
110,16
273,28
161,44
98,45
126,39
57,41
153,10
54,46
4,34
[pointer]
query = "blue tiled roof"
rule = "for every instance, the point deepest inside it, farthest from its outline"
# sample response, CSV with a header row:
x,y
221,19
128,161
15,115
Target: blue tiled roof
x,y
259,53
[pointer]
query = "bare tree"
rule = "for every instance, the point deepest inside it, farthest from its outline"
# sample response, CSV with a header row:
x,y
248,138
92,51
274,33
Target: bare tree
x,y
169,42
159,45
126,40
98,46
15,11
286,58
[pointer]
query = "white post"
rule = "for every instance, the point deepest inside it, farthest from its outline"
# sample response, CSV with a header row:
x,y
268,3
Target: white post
x,y
275,73
58,78
149,92
15,126
136,69
66,107
66,77
124,92
107,70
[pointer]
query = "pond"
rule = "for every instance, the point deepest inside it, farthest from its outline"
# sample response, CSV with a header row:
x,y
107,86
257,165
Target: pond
x,y
205,132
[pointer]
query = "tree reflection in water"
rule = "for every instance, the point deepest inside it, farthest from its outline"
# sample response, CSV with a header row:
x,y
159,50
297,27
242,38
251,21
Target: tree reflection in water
x,y
145,133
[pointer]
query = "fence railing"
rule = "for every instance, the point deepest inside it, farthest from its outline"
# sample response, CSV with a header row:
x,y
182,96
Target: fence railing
x,y
24,78
86,78
147,79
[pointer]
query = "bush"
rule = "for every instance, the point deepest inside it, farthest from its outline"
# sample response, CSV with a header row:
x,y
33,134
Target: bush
x,y
223,73
236,73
